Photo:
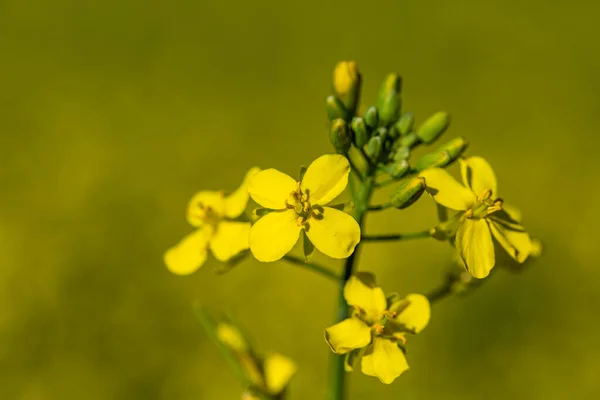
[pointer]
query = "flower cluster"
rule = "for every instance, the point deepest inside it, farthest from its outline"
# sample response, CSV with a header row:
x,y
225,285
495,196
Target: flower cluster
x,y
374,148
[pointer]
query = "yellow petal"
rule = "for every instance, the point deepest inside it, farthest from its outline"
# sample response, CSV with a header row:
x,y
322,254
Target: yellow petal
x,y
278,372
271,188
326,178
414,316
359,292
446,190
513,212
348,335
203,205
475,247
272,236
384,360
478,175
190,253
516,243
236,202
334,233
230,239
231,337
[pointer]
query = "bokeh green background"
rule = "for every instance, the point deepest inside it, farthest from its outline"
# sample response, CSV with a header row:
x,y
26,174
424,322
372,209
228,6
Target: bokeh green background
x,y
113,113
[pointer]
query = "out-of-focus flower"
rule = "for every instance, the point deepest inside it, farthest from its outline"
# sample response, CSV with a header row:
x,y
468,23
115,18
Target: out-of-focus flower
x,y
375,333
298,206
482,214
213,214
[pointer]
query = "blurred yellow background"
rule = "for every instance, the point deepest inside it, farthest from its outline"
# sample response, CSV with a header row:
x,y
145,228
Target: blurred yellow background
x,y
113,113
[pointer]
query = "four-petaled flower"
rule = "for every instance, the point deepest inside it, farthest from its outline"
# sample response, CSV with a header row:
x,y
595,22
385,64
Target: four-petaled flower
x,y
213,214
300,206
376,330
481,214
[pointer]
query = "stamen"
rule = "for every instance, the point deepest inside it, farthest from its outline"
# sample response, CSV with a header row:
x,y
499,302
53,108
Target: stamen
x,y
400,337
378,328
485,195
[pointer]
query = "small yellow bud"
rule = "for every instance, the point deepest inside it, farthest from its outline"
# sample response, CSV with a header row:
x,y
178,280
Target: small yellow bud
x,y
346,84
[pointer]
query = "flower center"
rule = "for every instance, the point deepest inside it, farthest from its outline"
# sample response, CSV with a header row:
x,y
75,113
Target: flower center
x,y
299,201
207,214
484,206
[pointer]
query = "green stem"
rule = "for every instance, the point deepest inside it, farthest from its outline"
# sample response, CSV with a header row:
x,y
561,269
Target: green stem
x,y
396,236
380,207
313,267
361,198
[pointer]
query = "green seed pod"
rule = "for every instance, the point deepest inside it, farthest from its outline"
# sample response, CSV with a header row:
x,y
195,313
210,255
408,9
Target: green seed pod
x,y
374,147
340,136
405,124
336,109
433,127
388,101
454,147
407,192
432,160
371,118
361,135
398,169
346,84
401,153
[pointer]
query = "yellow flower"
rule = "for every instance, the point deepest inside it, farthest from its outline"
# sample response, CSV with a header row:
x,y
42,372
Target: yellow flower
x,y
376,331
213,214
482,215
269,376
300,206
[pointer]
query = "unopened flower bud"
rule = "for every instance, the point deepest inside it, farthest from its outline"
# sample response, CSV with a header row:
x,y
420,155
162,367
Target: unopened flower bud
x,y
409,140
346,84
371,118
340,136
454,147
401,153
374,147
432,160
388,102
336,109
433,127
361,135
398,169
407,192
405,124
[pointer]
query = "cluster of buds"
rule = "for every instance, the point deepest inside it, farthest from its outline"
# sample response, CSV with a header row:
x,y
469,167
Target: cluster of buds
x,y
386,135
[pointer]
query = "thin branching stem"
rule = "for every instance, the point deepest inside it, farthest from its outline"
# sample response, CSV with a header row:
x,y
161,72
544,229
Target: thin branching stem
x,y
396,236
380,207
311,266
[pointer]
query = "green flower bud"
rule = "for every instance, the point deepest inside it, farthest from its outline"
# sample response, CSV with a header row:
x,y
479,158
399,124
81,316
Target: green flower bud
x,y
374,147
347,83
405,124
409,140
336,109
371,118
401,153
388,102
454,147
407,192
361,135
433,127
393,133
432,160
398,169
340,136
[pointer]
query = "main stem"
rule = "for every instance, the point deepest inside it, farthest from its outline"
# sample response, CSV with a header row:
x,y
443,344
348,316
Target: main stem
x,y
361,196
